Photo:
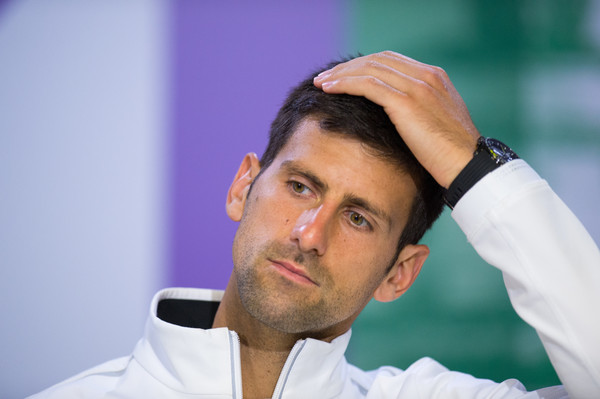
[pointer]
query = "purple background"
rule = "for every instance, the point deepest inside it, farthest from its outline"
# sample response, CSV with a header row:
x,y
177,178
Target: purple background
x,y
231,72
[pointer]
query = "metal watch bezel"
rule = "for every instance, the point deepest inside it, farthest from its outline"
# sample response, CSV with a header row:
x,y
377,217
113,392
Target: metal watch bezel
x,y
497,150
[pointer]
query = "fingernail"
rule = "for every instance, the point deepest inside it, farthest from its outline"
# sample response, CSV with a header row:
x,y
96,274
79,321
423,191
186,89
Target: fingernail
x,y
322,75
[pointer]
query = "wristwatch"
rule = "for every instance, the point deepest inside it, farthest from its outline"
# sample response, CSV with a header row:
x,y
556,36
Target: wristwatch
x,y
489,155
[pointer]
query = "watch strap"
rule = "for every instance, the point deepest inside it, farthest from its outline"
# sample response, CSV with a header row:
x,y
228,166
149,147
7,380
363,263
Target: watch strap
x,y
480,165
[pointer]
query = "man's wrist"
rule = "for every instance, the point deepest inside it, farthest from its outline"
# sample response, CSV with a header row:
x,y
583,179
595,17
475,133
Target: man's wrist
x,y
489,155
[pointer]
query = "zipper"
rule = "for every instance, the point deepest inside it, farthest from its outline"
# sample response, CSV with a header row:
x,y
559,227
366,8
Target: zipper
x,y
287,368
236,368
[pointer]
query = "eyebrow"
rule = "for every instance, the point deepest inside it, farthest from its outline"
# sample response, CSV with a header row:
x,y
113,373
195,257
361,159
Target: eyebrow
x,y
294,167
366,205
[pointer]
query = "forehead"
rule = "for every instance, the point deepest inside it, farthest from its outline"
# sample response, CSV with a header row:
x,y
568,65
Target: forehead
x,y
347,166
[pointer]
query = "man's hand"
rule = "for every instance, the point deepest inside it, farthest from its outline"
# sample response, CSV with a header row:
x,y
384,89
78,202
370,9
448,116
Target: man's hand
x,y
421,102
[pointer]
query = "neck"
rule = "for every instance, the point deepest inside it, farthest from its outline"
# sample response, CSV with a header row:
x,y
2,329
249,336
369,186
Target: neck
x,y
263,350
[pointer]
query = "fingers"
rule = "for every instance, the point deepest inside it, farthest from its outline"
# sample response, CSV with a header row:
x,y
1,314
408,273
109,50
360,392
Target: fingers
x,y
391,80
421,102
397,71
372,88
367,69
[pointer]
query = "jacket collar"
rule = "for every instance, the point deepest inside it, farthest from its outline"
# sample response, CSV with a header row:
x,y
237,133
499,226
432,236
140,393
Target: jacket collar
x,y
206,361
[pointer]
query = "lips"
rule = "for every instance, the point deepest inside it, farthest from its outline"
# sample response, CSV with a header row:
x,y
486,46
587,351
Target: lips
x,y
292,272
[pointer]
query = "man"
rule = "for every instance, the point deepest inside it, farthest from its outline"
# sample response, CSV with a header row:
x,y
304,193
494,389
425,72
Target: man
x,y
358,164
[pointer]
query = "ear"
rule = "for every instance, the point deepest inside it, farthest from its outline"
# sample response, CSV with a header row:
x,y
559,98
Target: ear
x,y
403,273
236,196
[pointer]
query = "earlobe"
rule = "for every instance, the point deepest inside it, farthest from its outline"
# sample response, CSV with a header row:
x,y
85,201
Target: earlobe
x,y
403,274
236,196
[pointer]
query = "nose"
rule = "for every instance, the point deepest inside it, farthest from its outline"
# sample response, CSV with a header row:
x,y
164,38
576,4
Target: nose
x,y
311,231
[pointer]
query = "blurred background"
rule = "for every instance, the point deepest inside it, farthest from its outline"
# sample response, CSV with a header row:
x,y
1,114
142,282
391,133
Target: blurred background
x,y
123,123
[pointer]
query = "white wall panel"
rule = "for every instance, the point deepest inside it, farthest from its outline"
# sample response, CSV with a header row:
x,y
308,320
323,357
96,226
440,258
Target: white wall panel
x,y
82,153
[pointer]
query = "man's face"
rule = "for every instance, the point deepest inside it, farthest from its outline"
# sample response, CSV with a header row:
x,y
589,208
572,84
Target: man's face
x,y
319,228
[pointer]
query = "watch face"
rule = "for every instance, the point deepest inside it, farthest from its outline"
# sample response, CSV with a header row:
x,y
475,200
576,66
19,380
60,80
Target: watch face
x,y
499,151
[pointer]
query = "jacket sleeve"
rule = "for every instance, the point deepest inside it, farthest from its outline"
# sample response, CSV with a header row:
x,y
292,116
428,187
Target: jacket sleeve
x,y
550,264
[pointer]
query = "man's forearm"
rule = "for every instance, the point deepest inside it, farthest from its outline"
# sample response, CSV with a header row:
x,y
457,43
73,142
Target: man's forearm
x,y
550,264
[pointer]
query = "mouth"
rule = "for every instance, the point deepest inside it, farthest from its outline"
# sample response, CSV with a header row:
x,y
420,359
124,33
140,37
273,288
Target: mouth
x,y
292,272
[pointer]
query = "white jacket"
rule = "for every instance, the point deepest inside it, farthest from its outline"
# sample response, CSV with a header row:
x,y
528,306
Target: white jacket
x,y
551,268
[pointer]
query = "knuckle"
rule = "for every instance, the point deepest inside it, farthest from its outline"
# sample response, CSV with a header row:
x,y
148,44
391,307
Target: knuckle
x,y
382,56
372,64
375,66
422,89
436,77
402,99
441,72
372,80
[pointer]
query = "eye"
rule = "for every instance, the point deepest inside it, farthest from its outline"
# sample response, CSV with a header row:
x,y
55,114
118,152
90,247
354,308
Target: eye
x,y
298,187
358,219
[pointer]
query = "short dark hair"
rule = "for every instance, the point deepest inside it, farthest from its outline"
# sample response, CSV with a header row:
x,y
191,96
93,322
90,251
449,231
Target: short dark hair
x,y
360,119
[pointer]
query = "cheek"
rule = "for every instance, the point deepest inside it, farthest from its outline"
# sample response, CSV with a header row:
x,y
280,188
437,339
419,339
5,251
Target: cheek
x,y
269,214
361,261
